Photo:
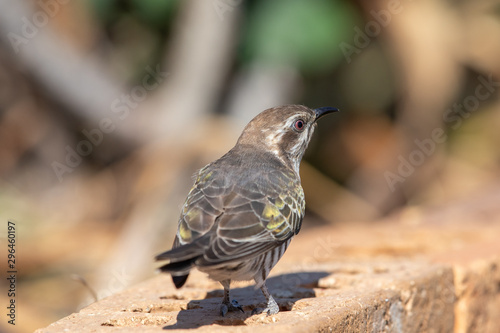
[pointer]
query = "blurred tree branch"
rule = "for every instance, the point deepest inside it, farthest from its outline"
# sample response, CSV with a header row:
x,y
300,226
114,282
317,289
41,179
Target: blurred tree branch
x,y
199,57
79,82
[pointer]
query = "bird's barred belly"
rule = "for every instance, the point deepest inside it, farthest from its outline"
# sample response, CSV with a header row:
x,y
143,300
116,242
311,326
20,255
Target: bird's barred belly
x,y
257,268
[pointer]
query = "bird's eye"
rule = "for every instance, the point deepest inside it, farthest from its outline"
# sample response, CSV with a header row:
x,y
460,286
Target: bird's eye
x,y
299,125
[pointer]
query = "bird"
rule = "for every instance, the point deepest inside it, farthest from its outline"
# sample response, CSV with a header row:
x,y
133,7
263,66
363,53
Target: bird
x,y
245,207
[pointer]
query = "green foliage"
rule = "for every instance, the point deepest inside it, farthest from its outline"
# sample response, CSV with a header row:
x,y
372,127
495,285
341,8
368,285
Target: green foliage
x,y
304,33
104,9
155,12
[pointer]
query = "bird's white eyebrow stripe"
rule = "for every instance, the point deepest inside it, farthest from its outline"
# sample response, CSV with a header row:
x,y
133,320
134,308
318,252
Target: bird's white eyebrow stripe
x,y
292,120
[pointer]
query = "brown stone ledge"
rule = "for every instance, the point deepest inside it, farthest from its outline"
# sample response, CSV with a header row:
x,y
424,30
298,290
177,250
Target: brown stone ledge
x,y
385,277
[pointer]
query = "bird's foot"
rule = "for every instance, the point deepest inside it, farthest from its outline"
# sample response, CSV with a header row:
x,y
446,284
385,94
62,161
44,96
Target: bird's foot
x,y
271,309
230,306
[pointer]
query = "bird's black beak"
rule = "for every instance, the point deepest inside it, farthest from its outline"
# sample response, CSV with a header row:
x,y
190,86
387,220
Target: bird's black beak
x,y
320,112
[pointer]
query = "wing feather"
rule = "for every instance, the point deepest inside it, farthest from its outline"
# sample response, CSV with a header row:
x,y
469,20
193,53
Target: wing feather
x,y
242,220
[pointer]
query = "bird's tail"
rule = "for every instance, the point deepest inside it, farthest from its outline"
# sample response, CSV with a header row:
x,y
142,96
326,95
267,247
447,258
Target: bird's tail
x,y
179,271
182,260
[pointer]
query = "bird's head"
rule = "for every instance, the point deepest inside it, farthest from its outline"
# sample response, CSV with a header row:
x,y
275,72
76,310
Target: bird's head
x,y
285,131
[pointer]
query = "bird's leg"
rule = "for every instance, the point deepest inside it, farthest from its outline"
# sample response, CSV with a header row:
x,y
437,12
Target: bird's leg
x,y
227,304
272,307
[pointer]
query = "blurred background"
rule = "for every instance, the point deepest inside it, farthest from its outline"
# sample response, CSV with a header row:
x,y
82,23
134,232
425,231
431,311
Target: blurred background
x,y
108,107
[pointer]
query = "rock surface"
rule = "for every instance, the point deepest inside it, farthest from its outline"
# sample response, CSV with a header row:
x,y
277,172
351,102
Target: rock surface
x,y
383,277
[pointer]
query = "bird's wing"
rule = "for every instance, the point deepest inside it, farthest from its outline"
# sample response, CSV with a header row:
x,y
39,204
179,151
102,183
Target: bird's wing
x,y
203,205
258,215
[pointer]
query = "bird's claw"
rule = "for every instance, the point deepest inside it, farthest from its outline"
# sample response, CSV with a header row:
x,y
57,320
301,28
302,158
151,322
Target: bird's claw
x,y
271,309
233,306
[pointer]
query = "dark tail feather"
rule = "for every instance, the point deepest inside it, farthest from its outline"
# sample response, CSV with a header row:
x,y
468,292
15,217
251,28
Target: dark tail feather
x,y
178,268
182,259
179,280
179,271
